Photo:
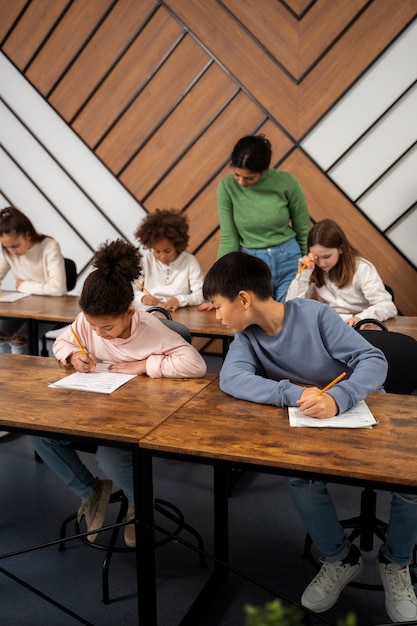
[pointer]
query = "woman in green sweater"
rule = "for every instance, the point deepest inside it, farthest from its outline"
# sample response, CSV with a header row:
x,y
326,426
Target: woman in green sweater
x,y
263,212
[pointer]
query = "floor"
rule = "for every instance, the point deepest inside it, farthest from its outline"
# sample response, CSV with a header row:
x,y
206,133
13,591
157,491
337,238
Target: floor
x,y
266,539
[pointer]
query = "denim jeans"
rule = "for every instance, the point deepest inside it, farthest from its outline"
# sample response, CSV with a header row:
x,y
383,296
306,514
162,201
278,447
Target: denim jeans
x,y
314,504
283,262
63,459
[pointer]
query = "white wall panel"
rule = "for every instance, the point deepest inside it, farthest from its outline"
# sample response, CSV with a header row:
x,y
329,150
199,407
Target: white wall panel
x,y
73,155
378,149
404,236
366,101
394,194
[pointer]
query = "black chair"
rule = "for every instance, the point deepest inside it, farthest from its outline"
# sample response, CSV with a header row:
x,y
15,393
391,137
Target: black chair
x,y
161,507
401,353
71,277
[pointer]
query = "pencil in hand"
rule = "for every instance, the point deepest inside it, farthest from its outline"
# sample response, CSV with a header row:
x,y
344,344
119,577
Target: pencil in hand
x,y
305,265
139,284
83,350
333,382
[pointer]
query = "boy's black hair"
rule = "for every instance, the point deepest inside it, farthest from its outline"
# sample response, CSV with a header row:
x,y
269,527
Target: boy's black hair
x,y
235,272
108,290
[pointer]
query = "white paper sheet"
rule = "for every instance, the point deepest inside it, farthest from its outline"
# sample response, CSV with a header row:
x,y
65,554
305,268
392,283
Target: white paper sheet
x,y
101,380
358,416
12,296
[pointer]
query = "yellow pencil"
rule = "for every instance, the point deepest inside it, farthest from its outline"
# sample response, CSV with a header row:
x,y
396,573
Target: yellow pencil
x,y
305,265
144,288
83,350
336,380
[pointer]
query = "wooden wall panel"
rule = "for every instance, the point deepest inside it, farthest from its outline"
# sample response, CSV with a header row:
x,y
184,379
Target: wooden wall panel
x,y
9,13
61,47
377,26
98,56
33,27
162,89
128,78
150,107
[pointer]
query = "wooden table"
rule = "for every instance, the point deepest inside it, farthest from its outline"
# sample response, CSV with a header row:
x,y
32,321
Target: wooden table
x,y
217,429
64,309
29,405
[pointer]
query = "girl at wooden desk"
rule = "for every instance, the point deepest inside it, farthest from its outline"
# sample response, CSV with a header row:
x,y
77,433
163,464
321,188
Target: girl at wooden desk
x,y
37,264
110,329
335,272
284,355
170,276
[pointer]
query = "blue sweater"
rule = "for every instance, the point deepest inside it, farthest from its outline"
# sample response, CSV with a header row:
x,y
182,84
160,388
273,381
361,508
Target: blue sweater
x,y
313,346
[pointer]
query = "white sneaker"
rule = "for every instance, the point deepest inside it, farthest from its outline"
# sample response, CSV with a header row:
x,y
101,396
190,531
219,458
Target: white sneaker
x,y
400,598
324,590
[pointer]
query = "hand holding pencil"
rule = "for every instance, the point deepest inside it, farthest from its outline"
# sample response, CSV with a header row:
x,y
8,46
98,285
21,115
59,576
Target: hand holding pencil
x,y
317,403
87,362
307,260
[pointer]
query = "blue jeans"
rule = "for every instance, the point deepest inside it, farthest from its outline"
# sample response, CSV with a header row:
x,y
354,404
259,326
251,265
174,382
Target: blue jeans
x,y
314,504
283,262
63,459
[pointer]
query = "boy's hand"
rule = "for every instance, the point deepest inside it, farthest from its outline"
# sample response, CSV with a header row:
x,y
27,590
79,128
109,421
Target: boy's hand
x,y
313,405
129,367
82,362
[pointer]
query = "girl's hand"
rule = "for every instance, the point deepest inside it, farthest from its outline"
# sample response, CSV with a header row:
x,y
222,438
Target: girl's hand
x,y
313,405
171,305
82,362
205,306
18,283
307,262
352,321
129,367
151,301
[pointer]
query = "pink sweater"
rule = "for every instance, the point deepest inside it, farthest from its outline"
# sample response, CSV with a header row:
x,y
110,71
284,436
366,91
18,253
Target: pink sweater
x,y
167,354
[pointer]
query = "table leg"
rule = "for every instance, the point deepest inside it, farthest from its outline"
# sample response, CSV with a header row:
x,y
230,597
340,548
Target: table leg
x,y
145,540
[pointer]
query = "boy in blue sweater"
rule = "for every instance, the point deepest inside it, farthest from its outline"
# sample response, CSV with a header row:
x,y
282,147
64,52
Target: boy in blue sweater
x,y
283,354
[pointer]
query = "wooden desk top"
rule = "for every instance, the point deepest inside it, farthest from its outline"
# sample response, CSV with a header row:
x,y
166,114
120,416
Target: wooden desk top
x,y
403,324
203,322
214,425
125,415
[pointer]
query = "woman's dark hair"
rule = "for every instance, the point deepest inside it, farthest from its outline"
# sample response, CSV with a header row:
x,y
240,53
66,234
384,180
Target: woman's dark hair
x,y
14,221
164,224
328,234
235,272
108,290
252,153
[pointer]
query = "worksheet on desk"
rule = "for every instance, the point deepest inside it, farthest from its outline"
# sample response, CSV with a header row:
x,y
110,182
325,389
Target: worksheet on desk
x,y
12,296
359,416
100,380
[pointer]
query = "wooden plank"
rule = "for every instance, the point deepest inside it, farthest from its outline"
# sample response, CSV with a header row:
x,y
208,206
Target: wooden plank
x,y
378,26
203,158
320,27
9,12
128,77
242,57
325,200
181,128
65,42
272,25
152,104
98,56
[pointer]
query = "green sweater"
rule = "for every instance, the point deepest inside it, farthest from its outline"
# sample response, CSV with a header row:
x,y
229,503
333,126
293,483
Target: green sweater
x,y
267,214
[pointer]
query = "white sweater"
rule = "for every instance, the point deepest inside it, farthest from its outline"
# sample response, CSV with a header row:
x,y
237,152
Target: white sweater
x,y
181,279
42,269
365,297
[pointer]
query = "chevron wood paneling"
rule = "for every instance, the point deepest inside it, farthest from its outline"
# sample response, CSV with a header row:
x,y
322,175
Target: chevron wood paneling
x,y
160,90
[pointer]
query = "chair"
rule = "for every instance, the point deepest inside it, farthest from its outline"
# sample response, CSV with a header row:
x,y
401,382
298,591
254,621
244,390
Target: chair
x,y
401,353
162,507
71,277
